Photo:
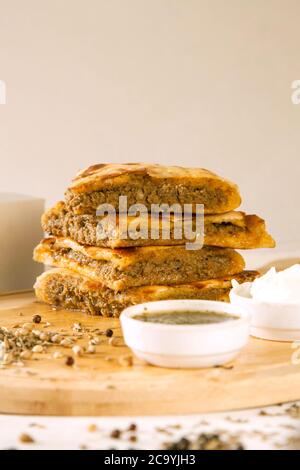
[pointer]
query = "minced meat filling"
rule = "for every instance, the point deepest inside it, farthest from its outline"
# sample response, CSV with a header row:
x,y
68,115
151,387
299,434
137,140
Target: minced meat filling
x,y
223,228
65,294
185,267
147,193
83,229
68,295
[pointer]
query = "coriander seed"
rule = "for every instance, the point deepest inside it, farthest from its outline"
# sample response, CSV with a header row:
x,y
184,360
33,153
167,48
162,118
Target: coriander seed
x,y
77,350
66,342
57,355
44,336
26,438
56,339
26,354
112,341
95,341
126,361
27,326
92,428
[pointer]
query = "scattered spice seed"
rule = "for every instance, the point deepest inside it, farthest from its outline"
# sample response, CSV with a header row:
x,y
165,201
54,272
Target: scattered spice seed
x,y
21,340
7,359
36,333
132,438
56,339
77,327
115,434
225,367
182,444
175,426
95,341
126,361
77,350
36,318
44,336
24,339
26,354
92,428
69,361
132,427
108,358
230,419
294,411
206,441
26,438
57,355
66,342
22,331
112,341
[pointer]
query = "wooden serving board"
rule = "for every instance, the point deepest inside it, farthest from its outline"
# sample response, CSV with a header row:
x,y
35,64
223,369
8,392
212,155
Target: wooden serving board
x,y
98,385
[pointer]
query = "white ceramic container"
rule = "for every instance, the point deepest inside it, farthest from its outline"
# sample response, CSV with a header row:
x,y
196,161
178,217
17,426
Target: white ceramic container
x,y
185,346
20,231
269,320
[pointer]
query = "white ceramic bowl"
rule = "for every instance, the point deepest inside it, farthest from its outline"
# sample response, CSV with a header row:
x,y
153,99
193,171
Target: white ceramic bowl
x,y
271,321
185,346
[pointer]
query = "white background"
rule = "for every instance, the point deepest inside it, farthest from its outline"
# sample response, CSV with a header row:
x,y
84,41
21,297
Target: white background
x,y
196,82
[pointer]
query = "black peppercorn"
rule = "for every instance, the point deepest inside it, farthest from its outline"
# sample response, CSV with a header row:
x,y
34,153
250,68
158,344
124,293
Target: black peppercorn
x,y
109,333
69,361
132,427
115,434
36,318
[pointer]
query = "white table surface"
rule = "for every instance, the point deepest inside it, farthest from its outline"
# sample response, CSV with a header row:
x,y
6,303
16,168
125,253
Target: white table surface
x,y
276,427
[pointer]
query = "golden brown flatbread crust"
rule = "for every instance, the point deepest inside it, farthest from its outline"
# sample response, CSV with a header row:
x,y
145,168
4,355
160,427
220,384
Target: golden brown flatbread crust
x,y
122,268
98,176
231,230
149,184
67,289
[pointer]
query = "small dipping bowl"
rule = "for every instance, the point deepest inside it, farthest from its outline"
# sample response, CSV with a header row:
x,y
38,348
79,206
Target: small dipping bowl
x,y
268,320
185,346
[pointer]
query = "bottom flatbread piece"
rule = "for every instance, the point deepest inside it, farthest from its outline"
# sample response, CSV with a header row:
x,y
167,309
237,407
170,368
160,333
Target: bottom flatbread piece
x,y
67,289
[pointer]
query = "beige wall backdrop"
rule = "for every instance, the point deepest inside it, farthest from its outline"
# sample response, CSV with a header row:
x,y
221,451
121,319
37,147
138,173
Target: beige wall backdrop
x,y
187,82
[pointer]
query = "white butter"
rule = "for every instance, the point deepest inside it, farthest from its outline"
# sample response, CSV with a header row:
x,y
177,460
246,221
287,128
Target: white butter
x,y
20,231
280,287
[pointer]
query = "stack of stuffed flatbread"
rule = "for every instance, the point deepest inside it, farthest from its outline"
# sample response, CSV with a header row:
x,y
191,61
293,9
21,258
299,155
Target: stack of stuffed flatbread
x,y
101,267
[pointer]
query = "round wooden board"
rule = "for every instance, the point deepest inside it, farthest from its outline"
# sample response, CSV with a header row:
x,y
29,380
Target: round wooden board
x,y
262,375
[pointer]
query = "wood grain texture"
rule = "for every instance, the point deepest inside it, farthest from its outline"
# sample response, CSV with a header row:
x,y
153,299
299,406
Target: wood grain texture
x,y
262,375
